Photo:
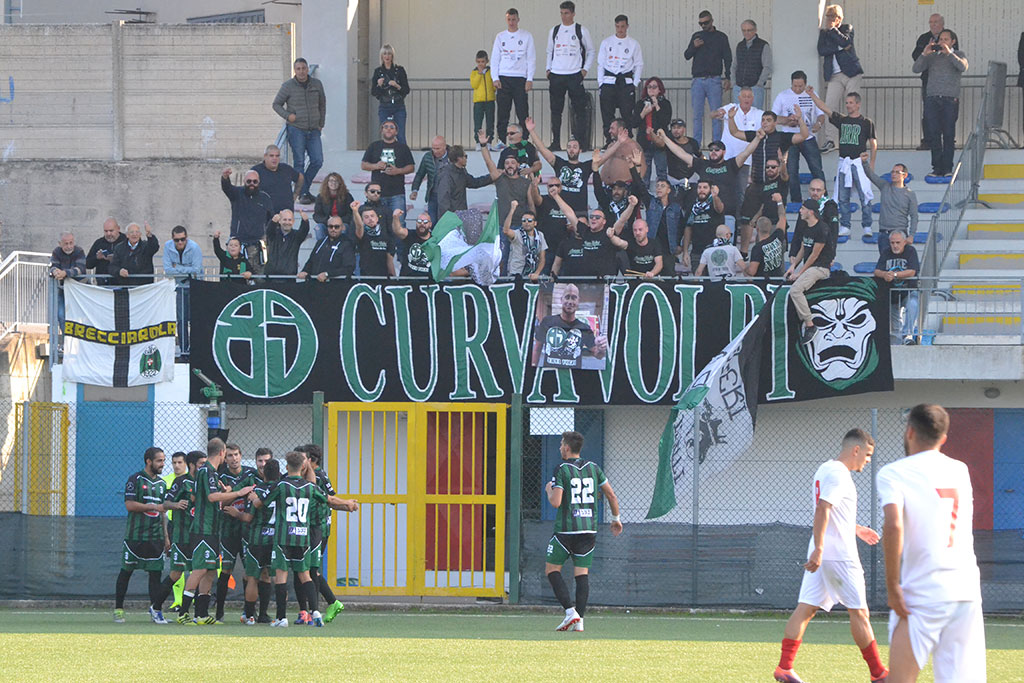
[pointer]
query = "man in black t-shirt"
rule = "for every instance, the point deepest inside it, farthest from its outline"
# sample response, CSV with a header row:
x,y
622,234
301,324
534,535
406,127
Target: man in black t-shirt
x,y
679,172
717,170
768,254
573,175
559,340
770,150
550,220
389,160
644,255
280,181
522,151
376,245
856,136
415,262
705,215
588,251
816,253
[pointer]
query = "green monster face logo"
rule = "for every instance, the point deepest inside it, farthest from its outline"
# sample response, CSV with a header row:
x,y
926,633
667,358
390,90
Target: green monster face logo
x,y
150,363
555,338
264,344
843,351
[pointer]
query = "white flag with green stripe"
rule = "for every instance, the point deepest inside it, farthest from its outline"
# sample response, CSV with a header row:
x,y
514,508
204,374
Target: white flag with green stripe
x,y
451,246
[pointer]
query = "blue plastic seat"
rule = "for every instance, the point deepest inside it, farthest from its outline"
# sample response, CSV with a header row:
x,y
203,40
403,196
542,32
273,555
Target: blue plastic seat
x,y
864,267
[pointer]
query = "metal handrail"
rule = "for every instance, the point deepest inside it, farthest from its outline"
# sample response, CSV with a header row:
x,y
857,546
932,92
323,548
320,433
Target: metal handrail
x,y
282,136
22,274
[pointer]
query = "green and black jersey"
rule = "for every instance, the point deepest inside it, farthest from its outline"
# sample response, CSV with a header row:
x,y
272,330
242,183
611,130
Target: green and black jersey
x,y
182,488
580,481
323,483
145,526
261,528
206,515
229,526
299,504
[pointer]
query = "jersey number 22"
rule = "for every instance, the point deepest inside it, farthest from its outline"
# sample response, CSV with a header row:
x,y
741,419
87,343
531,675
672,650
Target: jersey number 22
x,y
582,491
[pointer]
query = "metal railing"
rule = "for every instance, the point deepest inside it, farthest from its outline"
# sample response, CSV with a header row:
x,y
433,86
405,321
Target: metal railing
x,y
445,107
984,312
23,276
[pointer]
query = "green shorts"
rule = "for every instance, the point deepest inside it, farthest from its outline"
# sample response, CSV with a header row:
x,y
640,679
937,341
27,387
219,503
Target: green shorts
x,y
145,555
290,558
204,555
181,556
257,558
579,546
230,550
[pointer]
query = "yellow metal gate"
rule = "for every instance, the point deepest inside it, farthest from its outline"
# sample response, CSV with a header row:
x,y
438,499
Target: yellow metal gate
x,y
41,458
430,481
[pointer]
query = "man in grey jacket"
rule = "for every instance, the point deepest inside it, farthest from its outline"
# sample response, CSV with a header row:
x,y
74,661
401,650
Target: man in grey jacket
x,y
452,181
944,66
301,102
898,204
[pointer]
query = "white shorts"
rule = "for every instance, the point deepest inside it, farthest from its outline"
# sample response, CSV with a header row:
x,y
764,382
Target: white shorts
x,y
951,632
835,581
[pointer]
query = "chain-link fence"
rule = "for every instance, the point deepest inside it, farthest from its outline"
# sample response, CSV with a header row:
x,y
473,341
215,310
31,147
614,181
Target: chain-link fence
x,y
738,534
63,469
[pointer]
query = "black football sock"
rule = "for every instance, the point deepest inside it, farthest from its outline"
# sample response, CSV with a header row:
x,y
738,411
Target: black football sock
x,y
281,596
311,596
155,590
122,588
250,609
582,593
300,594
265,590
325,589
222,593
202,605
166,586
186,602
561,590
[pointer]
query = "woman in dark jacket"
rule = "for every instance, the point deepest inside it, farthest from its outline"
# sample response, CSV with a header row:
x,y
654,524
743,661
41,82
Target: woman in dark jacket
x,y
652,113
390,86
333,200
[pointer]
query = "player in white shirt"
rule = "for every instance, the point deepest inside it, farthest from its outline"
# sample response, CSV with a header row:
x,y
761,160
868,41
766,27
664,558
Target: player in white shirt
x,y
620,65
513,62
833,570
931,571
569,56
785,106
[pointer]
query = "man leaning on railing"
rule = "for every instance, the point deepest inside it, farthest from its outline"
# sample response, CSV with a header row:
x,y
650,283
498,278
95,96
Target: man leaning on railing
x,y
67,260
183,259
134,257
898,266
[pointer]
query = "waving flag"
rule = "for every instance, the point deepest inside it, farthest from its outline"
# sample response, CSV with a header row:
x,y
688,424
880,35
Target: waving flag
x,y
451,246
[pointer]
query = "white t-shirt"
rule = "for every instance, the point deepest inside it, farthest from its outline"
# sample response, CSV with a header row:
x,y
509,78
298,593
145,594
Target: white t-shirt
x,y
724,261
513,54
563,54
749,121
937,502
833,483
783,106
517,252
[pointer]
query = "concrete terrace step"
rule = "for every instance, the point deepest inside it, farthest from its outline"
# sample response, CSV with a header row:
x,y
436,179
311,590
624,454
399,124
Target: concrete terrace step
x,y
999,185
997,232
1001,197
990,260
980,324
1002,171
944,339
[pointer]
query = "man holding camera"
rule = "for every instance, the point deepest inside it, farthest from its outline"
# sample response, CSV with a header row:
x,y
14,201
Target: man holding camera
x,y
936,23
944,66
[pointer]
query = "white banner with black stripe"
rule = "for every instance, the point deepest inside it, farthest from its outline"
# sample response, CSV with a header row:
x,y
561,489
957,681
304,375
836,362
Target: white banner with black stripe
x,y
119,337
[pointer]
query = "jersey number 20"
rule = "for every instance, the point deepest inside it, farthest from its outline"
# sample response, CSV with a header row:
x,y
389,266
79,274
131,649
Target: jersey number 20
x,y
582,491
297,510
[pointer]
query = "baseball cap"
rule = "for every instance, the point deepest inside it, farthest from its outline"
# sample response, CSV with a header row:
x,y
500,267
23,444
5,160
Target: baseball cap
x,y
677,122
716,144
620,183
811,205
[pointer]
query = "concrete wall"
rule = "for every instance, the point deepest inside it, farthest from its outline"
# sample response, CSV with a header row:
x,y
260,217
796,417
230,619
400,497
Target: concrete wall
x,y
140,91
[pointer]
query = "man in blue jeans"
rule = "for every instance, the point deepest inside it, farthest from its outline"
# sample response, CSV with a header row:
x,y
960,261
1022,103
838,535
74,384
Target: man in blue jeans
x,y
301,102
711,54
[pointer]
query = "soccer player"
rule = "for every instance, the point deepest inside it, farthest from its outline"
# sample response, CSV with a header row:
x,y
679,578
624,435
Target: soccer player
x,y
576,525
834,572
321,534
205,530
263,454
261,541
234,475
179,497
931,572
145,538
298,501
178,468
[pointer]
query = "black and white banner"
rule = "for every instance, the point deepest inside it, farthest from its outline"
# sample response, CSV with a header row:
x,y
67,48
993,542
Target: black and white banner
x,y
357,341
119,337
